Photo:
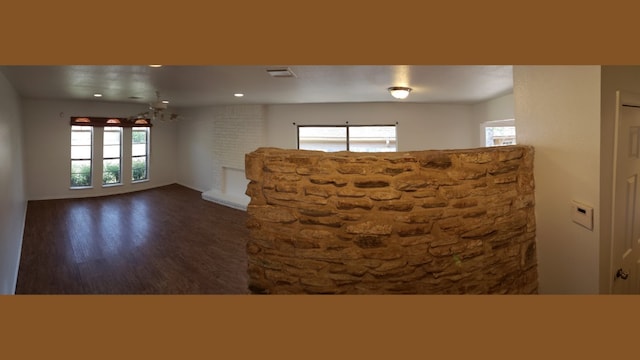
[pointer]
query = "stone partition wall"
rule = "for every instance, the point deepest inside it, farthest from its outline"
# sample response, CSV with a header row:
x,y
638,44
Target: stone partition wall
x,y
421,222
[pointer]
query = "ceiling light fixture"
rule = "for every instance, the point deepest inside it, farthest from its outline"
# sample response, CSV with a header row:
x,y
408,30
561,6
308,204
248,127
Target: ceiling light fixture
x,y
399,92
155,66
97,95
238,95
157,111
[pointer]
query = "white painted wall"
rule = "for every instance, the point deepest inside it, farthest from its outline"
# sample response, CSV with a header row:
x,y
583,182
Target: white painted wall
x,y
500,108
13,204
195,149
557,110
420,126
47,148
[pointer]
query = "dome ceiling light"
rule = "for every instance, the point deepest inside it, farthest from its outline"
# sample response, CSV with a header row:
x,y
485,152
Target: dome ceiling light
x,y
399,92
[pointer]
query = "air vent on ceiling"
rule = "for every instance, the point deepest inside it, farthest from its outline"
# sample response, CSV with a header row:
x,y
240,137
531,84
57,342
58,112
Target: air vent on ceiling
x,y
281,72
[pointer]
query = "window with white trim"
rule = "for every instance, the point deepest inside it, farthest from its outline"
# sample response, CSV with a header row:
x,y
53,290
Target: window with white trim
x,y
357,138
112,156
112,131
81,156
139,154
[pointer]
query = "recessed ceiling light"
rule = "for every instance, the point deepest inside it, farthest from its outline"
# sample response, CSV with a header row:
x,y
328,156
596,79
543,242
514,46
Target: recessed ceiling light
x,y
238,95
165,101
155,66
97,95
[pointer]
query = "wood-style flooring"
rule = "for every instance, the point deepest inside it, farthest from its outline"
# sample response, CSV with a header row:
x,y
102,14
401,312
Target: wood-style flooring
x,y
166,240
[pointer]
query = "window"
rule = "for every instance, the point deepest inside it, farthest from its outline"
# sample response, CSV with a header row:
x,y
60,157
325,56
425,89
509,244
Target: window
x,y
112,155
499,133
81,150
139,154
375,138
112,131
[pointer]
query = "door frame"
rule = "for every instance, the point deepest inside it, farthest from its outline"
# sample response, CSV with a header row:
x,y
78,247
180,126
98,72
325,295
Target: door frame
x,y
623,97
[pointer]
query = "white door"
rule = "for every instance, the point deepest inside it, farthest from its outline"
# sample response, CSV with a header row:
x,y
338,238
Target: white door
x,y
626,196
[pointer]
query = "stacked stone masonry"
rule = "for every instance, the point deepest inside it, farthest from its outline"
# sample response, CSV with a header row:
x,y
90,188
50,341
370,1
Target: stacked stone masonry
x,y
422,222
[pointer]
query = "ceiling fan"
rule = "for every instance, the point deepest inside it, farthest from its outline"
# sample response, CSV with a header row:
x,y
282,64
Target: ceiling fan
x,y
157,111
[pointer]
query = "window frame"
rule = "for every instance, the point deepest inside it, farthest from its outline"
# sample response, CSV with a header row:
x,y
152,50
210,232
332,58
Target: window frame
x,y
89,121
72,159
119,158
147,131
347,137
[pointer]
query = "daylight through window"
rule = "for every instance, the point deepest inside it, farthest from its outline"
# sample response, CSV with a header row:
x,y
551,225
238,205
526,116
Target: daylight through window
x,y
81,150
139,154
112,158
374,138
499,133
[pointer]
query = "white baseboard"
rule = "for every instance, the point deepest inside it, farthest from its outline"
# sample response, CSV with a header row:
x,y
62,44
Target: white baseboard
x,y
226,200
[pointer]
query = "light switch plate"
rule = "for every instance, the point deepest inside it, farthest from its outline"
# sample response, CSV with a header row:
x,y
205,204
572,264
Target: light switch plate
x,y
582,214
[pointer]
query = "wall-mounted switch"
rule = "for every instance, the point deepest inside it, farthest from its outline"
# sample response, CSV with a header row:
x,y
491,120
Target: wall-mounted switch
x,y
582,214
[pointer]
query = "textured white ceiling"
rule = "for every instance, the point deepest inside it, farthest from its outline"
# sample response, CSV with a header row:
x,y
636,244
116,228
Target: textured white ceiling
x,y
187,85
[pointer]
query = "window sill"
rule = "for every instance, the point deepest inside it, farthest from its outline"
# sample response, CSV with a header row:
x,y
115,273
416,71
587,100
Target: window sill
x,y
111,185
80,187
139,181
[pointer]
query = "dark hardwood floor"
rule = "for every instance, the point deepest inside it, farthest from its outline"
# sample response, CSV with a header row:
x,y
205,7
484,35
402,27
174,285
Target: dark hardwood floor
x,y
166,240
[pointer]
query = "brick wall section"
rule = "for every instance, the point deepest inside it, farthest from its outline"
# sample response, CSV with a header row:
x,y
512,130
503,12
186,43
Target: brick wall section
x,y
423,222
237,130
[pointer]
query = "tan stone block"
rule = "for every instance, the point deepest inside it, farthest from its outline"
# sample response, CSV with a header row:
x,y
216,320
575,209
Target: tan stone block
x,y
396,206
424,193
464,203
436,202
329,221
303,263
478,157
353,169
272,213
283,197
317,211
371,182
290,188
317,234
370,241
312,170
348,204
504,167
280,167
467,173
387,253
369,228
412,229
385,195
509,153
350,192
482,231
399,158
328,180
253,164
455,192
434,159
407,241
